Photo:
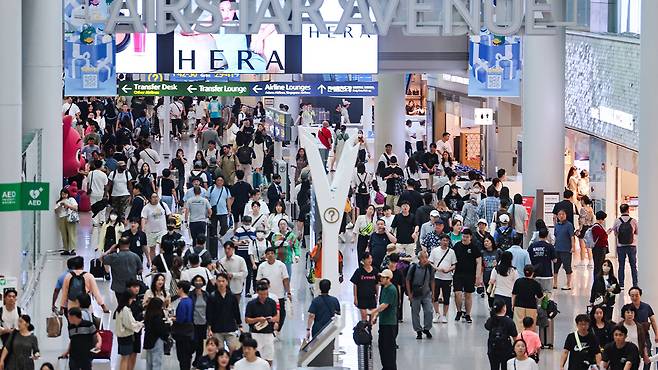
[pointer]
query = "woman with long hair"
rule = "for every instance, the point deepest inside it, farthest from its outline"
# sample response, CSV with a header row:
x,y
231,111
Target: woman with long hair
x,y
66,209
301,162
361,184
22,345
178,164
490,256
364,226
502,331
605,289
199,157
600,326
446,162
412,170
156,333
364,155
572,180
521,361
259,111
158,290
126,327
585,220
146,180
277,214
502,281
364,281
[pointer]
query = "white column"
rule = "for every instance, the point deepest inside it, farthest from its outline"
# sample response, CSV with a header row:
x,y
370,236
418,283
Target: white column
x,y
649,150
10,140
42,83
389,115
166,127
543,112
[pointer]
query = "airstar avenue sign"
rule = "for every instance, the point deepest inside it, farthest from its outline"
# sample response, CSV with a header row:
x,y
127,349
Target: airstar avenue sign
x,y
425,18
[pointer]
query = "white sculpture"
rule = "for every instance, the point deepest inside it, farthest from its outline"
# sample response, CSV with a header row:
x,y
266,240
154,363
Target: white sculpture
x,y
331,196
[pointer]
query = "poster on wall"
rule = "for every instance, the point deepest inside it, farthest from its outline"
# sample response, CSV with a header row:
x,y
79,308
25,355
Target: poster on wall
x,y
494,65
89,53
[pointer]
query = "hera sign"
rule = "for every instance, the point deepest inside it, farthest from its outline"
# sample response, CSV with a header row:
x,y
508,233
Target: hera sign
x,y
427,18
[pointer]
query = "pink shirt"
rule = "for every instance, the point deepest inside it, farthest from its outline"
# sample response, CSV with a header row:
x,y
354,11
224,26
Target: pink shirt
x,y
532,341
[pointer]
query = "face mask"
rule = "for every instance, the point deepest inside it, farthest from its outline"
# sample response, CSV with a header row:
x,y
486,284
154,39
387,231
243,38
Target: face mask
x,y
171,228
198,285
113,217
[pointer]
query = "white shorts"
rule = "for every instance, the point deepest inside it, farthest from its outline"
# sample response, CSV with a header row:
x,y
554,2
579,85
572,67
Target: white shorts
x,y
153,238
265,345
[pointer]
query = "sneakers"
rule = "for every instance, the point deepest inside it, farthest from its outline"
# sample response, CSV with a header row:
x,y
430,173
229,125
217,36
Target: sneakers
x,y
468,319
566,287
436,319
427,334
458,316
419,335
443,320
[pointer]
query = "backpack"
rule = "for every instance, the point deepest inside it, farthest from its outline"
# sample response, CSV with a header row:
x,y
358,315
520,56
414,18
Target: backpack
x,y
362,333
499,341
244,155
144,126
76,286
589,237
625,232
362,188
505,238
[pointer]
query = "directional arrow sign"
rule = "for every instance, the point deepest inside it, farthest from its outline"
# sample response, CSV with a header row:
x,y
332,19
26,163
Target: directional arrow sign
x,y
125,89
191,89
257,89
322,89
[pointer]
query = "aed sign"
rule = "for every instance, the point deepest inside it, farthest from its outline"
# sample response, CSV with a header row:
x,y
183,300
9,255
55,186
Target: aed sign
x,y
24,196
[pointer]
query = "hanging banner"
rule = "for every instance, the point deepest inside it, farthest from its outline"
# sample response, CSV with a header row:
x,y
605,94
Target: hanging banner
x,y
89,52
528,203
494,65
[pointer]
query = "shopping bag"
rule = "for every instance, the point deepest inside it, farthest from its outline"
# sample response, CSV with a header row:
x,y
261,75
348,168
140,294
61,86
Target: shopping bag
x,y
54,325
107,337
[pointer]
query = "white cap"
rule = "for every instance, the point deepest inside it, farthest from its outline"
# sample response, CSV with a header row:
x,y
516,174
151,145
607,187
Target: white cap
x,y
435,213
483,221
458,217
504,218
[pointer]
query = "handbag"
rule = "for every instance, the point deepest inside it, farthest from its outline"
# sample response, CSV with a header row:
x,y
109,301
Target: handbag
x,y
107,337
54,325
173,286
73,217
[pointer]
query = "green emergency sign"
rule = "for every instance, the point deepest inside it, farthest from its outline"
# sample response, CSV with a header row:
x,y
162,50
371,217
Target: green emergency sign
x,y
139,88
24,196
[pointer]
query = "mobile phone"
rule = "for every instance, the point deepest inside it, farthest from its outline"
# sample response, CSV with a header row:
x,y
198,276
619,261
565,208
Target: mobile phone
x,y
95,350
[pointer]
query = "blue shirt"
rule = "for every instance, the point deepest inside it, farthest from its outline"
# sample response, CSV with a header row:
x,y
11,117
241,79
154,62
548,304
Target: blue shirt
x,y
185,311
215,109
324,307
563,235
60,280
218,197
520,258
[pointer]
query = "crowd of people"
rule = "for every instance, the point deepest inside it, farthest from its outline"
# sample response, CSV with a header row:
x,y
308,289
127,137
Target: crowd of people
x,y
430,229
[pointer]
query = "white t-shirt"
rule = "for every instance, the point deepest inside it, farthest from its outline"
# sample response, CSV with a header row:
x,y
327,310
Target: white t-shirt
x,y
388,221
421,132
190,273
259,364
443,146
156,217
527,364
97,181
10,318
275,273
264,209
409,134
73,109
151,157
451,259
176,110
120,183
504,284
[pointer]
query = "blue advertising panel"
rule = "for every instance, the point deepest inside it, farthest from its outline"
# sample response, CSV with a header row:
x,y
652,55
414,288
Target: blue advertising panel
x,y
89,53
494,65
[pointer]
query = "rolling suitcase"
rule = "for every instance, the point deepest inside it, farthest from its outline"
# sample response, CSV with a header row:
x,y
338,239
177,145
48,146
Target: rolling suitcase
x,y
547,335
96,268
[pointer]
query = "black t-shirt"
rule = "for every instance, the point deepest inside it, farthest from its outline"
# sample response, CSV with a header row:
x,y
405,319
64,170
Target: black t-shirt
x,y
617,357
466,258
542,254
404,226
240,192
390,183
413,197
565,205
136,208
507,327
366,283
422,214
82,339
527,291
454,202
178,164
398,278
257,309
137,242
581,357
430,160
167,186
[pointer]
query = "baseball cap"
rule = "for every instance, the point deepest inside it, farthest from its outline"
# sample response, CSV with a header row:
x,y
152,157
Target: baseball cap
x,y
458,217
504,219
439,221
386,273
435,213
483,221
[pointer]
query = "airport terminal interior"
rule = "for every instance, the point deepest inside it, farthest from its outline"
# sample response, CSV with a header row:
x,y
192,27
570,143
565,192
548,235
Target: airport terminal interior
x,y
328,184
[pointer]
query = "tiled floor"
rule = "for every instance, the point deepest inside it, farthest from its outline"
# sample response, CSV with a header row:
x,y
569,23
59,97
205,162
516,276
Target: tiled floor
x,y
454,344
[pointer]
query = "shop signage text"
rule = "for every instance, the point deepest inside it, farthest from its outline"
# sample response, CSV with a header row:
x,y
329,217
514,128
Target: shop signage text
x,y
338,89
455,17
24,196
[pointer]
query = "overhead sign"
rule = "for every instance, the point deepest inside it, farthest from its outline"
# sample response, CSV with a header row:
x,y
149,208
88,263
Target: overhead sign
x,y
417,18
24,196
199,88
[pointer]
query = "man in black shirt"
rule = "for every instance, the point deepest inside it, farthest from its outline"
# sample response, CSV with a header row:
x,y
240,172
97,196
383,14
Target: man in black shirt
x,y
392,174
481,233
468,273
430,160
240,191
406,231
422,214
565,205
620,354
223,314
583,350
412,196
542,255
83,338
525,293
137,238
262,316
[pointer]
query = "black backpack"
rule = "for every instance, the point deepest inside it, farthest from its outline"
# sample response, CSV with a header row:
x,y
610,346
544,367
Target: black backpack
x,y
76,286
362,188
144,127
499,341
244,155
625,232
505,238
362,333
